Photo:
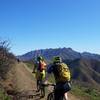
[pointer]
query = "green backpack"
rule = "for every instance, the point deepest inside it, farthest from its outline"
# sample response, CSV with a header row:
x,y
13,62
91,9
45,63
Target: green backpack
x,y
64,72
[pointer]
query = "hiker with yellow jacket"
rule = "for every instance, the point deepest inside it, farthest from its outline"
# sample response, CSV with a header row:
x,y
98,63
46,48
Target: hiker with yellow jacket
x,y
62,78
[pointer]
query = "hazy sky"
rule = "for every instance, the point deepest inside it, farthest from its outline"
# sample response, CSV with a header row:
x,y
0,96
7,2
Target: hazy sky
x,y
39,24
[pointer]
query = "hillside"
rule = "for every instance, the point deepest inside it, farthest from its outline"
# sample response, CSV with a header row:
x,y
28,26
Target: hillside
x,y
7,60
86,72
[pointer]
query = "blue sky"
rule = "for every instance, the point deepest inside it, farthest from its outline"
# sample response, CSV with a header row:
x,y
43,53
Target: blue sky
x,y
40,24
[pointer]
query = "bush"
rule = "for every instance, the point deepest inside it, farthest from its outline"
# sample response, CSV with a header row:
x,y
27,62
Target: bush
x,y
88,92
6,58
3,95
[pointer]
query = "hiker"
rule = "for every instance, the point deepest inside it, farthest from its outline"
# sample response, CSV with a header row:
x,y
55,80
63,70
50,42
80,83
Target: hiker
x,y
39,69
18,60
62,78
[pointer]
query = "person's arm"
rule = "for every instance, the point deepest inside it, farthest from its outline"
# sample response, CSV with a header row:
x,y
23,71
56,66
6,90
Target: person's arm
x,y
34,68
44,65
49,71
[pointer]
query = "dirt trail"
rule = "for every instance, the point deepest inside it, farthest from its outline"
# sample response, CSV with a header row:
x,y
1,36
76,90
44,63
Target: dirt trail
x,y
24,80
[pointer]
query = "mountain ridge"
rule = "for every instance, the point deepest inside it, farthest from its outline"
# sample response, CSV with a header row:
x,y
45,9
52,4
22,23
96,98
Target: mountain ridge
x,y
65,53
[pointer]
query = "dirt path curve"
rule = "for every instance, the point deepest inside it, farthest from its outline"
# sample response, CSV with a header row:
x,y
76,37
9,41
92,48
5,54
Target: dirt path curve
x,y
25,82
24,78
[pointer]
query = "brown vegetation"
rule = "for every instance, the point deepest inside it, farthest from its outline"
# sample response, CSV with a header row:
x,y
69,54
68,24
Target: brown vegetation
x,y
6,58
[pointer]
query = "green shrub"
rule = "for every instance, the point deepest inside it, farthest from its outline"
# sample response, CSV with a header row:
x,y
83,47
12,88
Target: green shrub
x,y
4,96
91,93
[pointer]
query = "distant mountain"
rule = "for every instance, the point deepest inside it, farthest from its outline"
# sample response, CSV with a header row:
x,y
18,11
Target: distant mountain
x,y
65,53
88,55
86,71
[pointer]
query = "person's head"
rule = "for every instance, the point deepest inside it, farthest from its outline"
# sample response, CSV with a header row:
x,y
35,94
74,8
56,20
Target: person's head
x,y
39,58
57,59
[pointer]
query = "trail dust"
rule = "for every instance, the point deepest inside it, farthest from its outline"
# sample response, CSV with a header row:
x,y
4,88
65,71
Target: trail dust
x,y
25,84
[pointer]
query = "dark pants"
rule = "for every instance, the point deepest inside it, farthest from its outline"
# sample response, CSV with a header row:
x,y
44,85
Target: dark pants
x,y
61,89
58,95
